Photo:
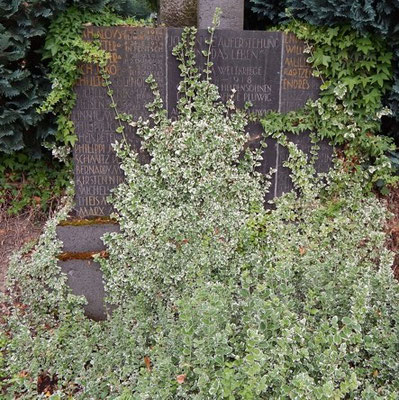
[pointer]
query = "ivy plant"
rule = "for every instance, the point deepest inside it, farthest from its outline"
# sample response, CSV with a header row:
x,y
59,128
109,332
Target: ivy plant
x,y
66,50
355,73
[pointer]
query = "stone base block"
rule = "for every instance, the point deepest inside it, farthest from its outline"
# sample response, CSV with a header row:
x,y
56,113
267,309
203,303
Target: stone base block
x,y
84,238
85,279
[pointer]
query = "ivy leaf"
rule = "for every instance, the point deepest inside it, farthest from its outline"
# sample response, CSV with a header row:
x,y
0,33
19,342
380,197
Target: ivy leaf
x,y
372,97
385,58
321,59
379,78
365,45
350,82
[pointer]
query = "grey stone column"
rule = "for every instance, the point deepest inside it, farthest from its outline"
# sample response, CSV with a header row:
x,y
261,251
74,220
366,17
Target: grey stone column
x,y
232,13
178,13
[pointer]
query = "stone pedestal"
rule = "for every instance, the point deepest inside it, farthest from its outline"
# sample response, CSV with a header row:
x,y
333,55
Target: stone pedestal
x,y
84,238
232,13
84,275
178,13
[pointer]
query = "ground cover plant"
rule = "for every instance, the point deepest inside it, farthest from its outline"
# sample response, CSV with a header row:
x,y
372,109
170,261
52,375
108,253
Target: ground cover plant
x,y
217,297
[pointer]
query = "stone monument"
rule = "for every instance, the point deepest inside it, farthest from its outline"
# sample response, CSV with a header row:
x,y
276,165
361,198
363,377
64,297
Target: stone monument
x,y
232,13
178,13
268,69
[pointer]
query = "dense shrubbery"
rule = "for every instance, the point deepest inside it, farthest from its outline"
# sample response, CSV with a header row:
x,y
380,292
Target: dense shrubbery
x,y
23,83
217,297
355,72
378,17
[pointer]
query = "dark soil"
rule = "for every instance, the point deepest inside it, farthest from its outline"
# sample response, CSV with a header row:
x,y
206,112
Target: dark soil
x,y
15,231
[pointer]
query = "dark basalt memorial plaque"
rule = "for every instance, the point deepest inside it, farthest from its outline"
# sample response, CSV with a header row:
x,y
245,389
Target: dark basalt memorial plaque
x,y
267,69
247,61
297,86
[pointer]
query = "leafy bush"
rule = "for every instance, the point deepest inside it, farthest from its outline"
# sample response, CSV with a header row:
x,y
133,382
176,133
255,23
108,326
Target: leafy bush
x,y
199,157
355,71
367,17
23,83
218,298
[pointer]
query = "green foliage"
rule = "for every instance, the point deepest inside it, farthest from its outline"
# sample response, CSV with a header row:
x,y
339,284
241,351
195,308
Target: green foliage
x,y
366,16
65,49
27,183
3,343
361,64
205,143
376,17
217,297
23,82
355,71
273,11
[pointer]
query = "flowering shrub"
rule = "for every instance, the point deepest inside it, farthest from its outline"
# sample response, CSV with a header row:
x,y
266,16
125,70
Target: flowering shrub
x,y
217,297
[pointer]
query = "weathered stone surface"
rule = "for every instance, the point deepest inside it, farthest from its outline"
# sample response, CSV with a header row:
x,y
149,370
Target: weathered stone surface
x,y
267,69
84,238
245,61
85,278
232,13
297,86
135,54
178,13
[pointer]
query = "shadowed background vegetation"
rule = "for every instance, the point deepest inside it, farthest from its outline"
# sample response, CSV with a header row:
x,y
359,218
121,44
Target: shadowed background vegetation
x,y
366,16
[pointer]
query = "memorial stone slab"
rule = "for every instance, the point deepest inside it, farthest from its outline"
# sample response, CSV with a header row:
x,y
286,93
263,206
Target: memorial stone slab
x,y
244,61
135,54
297,82
267,69
297,86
